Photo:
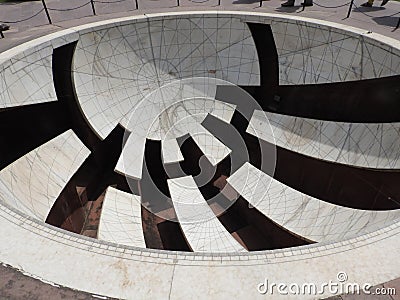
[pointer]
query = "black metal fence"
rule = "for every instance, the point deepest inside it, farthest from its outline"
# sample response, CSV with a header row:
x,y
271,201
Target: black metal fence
x,y
351,6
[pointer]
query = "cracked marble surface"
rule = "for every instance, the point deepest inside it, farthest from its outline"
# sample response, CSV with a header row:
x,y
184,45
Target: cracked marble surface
x,y
33,182
304,215
199,224
121,219
369,145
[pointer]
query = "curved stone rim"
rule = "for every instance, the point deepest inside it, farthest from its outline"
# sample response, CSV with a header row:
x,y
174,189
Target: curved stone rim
x,y
126,20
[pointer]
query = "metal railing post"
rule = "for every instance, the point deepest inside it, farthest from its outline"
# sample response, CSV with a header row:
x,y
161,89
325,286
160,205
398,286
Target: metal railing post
x,y
178,2
94,10
219,2
350,7
137,4
47,12
260,3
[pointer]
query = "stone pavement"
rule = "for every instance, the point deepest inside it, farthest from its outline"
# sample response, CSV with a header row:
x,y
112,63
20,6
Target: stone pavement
x,y
14,285
376,19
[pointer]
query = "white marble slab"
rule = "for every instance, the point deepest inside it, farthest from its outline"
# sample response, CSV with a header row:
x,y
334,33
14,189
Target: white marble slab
x,y
171,152
121,219
130,162
33,182
364,145
214,150
201,227
303,215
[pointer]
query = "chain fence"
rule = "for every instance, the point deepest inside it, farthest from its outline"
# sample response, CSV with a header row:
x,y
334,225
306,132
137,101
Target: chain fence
x,y
351,7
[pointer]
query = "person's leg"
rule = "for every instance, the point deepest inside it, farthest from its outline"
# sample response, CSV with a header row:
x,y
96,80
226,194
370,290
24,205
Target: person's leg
x,y
288,3
384,2
368,4
307,3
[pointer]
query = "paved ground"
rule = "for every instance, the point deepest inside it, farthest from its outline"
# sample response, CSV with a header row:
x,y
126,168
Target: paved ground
x,y
375,19
13,284
16,286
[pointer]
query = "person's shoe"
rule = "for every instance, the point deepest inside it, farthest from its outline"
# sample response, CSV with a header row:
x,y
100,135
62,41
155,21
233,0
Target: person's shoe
x,y
384,2
288,4
307,3
366,4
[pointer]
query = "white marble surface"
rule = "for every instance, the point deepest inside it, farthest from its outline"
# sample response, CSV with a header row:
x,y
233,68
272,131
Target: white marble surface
x,y
117,66
201,227
171,152
213,149
131,160
369,145
303,215
51,255
175,117
314,53
121,219
171,112
33,182
26,71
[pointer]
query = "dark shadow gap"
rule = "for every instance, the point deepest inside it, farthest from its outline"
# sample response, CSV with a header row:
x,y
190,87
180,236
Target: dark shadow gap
x,y
89,183
253,231
84,193
159,233
273,235
191,167
360,101
268,62
23,129
364,101
336,183
65,90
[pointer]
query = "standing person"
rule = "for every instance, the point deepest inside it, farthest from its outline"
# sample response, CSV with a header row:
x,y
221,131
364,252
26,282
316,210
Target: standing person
x,y
371,2
290,3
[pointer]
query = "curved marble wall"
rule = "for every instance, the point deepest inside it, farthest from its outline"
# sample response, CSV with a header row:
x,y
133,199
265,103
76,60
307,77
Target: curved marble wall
x,y
303,215
26,75
33,182
116,67
362,145
318,54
